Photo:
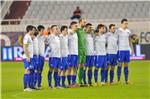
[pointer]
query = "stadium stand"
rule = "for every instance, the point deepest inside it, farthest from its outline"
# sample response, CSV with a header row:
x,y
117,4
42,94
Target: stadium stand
x,y
95,11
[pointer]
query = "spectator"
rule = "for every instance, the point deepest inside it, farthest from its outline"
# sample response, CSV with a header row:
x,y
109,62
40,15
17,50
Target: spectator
x,y
76,13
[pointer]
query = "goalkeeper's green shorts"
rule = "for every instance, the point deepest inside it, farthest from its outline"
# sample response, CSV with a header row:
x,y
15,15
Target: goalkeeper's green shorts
x,y
82,56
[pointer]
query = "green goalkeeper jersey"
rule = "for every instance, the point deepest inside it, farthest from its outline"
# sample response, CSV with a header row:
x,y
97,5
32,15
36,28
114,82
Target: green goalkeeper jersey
x,y
81,38
81,45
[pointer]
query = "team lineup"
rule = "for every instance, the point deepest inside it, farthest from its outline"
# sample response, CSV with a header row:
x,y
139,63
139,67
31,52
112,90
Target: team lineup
x,y
76,51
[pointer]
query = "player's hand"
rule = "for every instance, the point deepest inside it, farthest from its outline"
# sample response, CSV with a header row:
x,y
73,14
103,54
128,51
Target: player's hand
x,y
28,59
132,53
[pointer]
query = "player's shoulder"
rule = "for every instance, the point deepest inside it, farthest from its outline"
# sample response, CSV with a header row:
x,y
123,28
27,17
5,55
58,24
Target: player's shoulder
x,y
108,34
118,30
27,35
128,30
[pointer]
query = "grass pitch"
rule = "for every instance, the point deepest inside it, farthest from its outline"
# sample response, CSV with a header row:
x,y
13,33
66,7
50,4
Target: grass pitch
x,y
139,74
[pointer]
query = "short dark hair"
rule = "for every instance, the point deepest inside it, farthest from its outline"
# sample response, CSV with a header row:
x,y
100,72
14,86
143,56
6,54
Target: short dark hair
x,y
100,26
88,24
63,28
53,26
73,22
40,27
29,28
111,25
123,20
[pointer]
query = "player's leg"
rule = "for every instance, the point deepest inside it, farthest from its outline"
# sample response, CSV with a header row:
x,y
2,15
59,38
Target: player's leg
x,y
84,76
120,61
26,80
59,73
96,69
50,71
90,76
69,75
40,71
111,74
109,59
65,67
73,75
63,78
82,60
31,75
26,75
103,69
69,70
113,64
80,72
74,69
55,76
126,71
87,63
84,69
59,78
106,74
35,69
90,66
50,77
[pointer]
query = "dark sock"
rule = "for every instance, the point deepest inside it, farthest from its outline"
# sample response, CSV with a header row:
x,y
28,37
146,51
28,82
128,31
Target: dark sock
x,y
49,78
119,72
63,80
55,78
95,75
84,76
26,80
89,76
111,75
126,72
69,79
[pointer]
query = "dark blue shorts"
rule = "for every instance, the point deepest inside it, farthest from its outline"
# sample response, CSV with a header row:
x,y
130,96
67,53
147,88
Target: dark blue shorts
x,y
63,63
90,60
101,61
28,65
112,59
41,62
73,60
124,56
54,62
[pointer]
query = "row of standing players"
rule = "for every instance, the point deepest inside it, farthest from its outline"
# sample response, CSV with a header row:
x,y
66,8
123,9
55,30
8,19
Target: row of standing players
x,y
76,50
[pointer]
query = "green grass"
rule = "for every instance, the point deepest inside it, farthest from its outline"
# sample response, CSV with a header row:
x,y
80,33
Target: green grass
x,y
12,85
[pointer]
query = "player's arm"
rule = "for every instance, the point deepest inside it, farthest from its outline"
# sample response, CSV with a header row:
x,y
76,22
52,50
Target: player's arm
x,y
25,45
46,40
26,52
130,41
131,46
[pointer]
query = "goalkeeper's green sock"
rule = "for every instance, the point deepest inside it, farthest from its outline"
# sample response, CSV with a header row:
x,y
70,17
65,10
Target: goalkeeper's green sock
x,y
80,75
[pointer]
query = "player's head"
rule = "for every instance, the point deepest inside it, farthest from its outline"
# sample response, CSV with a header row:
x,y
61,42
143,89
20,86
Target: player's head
x,y
30,29
64,30
112,28
36,32
124,23
88,28
41,29
100,29
73,26
82,22
54,29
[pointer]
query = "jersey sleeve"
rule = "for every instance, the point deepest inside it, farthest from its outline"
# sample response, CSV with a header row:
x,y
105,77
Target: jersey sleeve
x,y
25,40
